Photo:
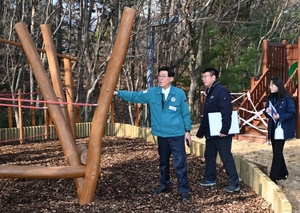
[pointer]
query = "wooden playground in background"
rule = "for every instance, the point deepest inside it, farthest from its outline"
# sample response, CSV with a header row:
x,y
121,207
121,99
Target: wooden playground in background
x,y
85,177
279,60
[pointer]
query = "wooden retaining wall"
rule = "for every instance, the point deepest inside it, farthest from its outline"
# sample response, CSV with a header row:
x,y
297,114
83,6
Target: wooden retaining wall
x,y
249,173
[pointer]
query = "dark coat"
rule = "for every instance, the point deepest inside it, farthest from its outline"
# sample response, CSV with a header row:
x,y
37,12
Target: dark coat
x,y
287,113
218,99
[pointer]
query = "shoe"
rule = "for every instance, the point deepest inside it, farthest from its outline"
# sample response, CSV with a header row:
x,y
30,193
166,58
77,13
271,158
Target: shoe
x,y
231,189
283,178
207,182
162,189
185,196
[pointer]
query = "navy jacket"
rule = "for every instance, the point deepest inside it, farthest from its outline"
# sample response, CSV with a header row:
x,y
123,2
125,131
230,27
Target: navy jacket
x,y
218,99
287,113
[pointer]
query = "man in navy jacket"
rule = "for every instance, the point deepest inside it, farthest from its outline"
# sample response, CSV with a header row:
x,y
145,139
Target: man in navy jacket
x,y
218,99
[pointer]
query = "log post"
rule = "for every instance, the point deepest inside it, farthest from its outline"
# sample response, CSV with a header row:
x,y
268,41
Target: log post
x,y
32,112
112,111
69,93
62,128
21,129
104,101
9,117
78,119
46,120
265,59
82,151
136,106
54,68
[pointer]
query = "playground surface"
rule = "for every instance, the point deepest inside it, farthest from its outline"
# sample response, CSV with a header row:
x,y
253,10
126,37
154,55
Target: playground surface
x,y
262,154
129,173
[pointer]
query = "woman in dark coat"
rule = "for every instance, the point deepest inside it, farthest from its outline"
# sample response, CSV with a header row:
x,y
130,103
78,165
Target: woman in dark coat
x,y
284,115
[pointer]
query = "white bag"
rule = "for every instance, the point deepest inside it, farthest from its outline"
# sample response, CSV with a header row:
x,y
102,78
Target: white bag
x,y
279,134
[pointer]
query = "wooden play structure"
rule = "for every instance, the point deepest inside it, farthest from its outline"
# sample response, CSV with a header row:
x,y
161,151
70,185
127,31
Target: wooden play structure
x,y
281,60
85,177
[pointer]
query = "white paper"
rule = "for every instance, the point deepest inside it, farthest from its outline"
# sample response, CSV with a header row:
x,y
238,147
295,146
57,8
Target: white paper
x,y
215,123
272,110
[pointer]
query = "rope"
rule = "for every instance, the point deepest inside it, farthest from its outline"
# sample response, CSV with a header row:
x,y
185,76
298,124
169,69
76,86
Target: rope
x,y
23,106
47,102
262,120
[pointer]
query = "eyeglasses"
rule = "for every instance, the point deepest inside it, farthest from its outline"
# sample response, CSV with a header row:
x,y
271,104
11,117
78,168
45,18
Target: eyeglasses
x,y
205,76
163,76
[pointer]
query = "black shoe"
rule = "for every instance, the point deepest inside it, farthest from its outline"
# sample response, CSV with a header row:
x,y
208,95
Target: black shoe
x,y
275,181
162,189
283,178
185,196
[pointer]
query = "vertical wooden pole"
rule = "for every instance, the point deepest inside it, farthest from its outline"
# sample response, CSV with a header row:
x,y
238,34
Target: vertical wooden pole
x,y
112,111
46,120
69,93
104,101
54,68
265,56
62,128
78,120
32,112
9,117
136,106
21,129
284,62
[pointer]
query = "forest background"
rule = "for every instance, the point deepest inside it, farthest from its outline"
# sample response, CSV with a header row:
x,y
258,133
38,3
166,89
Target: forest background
x,y
188,35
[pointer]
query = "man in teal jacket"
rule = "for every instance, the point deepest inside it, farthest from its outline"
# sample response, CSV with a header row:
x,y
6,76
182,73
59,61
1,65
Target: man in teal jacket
x,y
171,123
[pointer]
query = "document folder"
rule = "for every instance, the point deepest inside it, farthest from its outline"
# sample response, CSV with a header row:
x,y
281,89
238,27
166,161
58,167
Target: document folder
x,y
215,123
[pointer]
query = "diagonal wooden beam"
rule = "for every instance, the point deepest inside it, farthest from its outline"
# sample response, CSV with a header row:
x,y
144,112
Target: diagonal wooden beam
x,y
5,41
104,100
62,128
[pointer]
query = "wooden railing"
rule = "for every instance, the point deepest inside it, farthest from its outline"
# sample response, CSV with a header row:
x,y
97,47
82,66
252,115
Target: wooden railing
x,y
259,91
292,83
257,95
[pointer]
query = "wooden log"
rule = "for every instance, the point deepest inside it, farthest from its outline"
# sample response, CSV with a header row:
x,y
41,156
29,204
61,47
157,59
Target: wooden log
x,y
20,110
2,40
78,119
99,120
54,69
62,128
136,107
9,117
69,94
82,151
13,171
46,120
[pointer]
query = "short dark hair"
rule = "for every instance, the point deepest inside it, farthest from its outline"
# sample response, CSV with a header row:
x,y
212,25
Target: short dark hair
x,y
170,71
212,71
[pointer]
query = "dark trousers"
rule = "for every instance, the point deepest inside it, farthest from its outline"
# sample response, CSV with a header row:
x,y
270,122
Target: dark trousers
x,y
176,147
223,145
278,168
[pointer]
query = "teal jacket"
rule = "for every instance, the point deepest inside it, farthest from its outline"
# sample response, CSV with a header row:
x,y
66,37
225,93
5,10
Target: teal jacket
x,y
173,119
